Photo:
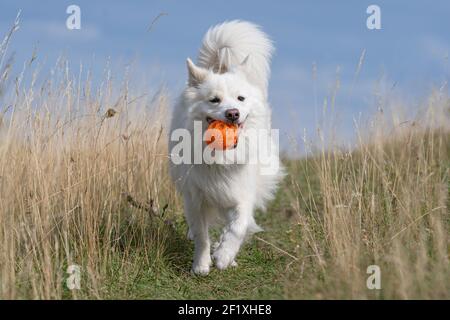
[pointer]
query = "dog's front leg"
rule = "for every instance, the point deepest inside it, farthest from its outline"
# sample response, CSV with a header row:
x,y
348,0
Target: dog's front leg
x,y
198,228
233,235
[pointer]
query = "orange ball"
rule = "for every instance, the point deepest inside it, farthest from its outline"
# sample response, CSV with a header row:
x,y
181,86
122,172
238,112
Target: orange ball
x,y
221,135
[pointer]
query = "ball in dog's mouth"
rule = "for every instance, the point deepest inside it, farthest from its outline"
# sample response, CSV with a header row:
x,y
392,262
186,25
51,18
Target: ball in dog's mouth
x,y
221,135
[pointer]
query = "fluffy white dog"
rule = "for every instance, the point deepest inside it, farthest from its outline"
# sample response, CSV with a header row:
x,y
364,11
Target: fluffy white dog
x,y
229,84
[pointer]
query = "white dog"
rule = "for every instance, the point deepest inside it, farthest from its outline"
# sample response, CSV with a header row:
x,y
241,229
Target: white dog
x,y
228,84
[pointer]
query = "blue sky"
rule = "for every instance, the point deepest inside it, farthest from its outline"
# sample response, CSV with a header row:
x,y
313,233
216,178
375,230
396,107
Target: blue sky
x,y
405,59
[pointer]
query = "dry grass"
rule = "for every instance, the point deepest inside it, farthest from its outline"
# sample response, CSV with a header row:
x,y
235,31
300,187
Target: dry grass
x,y
384,203
69,167
71,156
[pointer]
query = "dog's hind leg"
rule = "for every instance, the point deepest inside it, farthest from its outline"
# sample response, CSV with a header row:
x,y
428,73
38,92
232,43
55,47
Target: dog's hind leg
x,y
198,227
238,222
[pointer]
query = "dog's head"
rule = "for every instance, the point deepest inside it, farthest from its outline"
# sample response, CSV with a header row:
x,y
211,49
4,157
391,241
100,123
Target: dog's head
x,y
227,97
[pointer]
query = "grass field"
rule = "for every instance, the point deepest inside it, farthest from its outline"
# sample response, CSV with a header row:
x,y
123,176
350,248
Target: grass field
x,y
83,180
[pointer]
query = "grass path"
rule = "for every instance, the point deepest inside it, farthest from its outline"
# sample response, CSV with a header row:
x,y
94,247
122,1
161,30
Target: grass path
x,y
259,275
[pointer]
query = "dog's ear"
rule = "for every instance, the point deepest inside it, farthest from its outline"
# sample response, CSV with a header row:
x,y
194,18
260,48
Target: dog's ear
x,y
196,74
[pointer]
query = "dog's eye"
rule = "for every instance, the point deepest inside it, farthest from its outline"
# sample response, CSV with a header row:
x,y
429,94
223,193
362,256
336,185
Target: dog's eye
x,y
215,100
241,98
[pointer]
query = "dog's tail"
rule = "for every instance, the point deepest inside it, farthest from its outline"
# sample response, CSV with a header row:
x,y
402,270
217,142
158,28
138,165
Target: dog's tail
x,y
230,44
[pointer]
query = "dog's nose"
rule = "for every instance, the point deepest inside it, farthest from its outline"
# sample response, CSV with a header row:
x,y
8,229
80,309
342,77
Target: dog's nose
x,y
232,114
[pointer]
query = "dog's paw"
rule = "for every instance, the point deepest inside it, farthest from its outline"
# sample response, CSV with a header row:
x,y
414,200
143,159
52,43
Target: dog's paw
x,y
223,259
202,266
200,269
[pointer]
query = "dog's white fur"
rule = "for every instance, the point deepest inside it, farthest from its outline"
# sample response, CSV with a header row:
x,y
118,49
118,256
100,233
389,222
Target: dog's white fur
x,y
234,60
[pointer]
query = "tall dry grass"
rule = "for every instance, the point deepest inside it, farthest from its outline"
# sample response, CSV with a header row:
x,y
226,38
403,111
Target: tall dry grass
x,y
384,202
74,159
